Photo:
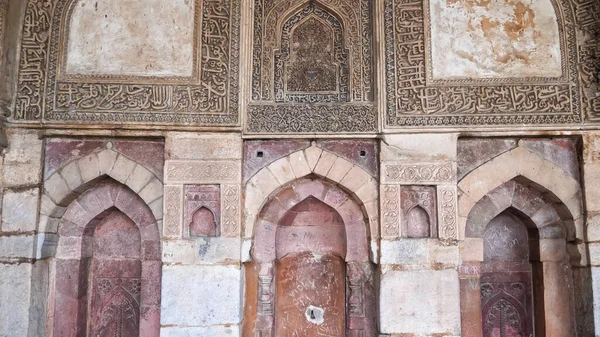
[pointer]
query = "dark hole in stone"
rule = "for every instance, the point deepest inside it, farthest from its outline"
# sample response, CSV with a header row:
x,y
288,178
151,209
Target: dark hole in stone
x,y
363,153
259,154
312,314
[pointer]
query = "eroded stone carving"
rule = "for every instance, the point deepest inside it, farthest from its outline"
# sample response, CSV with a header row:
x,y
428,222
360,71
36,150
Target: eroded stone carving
x,y
311,65
202,171
447,206
173,215
419,218
390,211
212,100
418,173
413,100
202,210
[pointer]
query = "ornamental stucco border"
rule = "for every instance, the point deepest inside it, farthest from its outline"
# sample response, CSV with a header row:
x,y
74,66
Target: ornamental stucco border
x,y
42,96
413,101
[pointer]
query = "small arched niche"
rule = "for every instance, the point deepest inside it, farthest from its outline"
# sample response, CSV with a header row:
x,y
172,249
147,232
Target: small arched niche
x,y
203,223
417,223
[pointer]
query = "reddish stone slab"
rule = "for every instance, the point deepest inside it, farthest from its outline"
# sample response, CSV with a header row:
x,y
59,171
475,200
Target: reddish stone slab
x,y
364,153
260,153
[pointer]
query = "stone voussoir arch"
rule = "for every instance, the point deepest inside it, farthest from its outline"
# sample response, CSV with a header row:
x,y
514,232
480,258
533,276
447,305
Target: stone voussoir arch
x,y
526,200
516,163
70,180
311,161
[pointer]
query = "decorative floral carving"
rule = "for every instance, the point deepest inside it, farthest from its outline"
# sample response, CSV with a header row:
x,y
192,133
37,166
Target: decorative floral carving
x,y
418,173
199,198
312,118
390,211
231,210
419,218
447,211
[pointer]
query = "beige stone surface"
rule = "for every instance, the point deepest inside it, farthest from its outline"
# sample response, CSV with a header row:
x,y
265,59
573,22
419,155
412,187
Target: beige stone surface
x,y
22,159
355,179
325,163
299,164
89,167
494,39
420,302
72,175
282,170
339,169
419,147
15,290
141,38
19,210
313,154
122,169
203,146
139,178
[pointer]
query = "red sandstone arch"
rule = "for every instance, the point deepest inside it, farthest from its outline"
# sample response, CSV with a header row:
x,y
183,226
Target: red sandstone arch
x,y
315,217
69,303
552,224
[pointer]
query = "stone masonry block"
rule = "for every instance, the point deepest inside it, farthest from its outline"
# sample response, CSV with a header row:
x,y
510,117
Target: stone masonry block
x,y
89,167
282,170
19,210
122,169
139,178
299,164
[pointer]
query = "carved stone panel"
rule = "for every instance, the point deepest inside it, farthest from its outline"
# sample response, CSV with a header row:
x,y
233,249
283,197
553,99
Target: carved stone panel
x,y
415,98
312,54
208,97
419,212
202,210
588,24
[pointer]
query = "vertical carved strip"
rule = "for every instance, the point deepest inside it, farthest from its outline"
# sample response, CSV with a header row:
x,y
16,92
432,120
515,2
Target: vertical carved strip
x,y
230,214
390,211
447,207
173,211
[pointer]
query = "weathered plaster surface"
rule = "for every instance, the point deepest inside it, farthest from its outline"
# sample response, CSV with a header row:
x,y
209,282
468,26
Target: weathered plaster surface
x,y
131,37
494,39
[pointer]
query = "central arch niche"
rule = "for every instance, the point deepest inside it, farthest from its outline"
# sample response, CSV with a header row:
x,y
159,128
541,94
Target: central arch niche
x,y
310,274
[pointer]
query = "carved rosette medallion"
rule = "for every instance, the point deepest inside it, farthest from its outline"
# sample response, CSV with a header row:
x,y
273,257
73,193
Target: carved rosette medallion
x,y
210,97
418,173
414,99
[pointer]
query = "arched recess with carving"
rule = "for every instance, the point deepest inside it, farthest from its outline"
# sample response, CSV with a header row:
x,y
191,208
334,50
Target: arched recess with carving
x,y
311,228
107,267
103,199
515,192
360,184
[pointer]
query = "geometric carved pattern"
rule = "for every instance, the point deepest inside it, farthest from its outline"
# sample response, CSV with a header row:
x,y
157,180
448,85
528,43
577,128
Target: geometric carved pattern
x,y
172,217
505,308
230,199
413,99
285,118
210,97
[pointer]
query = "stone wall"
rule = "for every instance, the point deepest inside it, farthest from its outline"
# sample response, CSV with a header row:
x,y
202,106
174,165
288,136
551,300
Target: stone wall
x,y
265,168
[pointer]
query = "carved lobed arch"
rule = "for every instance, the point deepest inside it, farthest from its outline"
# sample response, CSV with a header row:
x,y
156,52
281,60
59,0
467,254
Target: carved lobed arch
x,y
358,183
557,184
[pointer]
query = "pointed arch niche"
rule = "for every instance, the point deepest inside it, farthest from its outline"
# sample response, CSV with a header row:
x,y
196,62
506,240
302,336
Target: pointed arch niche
x,y
516,279
107,267
310,270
